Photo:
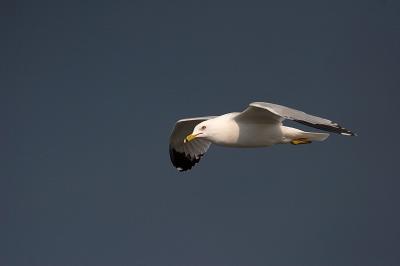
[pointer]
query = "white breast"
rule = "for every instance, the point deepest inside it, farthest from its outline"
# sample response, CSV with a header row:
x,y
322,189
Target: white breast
x,y
234,134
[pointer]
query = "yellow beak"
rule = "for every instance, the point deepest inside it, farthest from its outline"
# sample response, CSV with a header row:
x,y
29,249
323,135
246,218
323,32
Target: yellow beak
x,y
189,138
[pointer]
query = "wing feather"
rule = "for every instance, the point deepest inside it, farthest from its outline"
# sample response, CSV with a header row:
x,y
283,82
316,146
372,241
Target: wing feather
x,y
185,155
274,113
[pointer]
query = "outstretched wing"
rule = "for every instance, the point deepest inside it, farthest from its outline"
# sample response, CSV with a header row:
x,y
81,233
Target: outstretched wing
x,y
185,155
274,113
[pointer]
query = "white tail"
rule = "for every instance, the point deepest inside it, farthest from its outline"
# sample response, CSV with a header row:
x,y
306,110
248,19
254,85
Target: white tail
x,y
313,136
291,133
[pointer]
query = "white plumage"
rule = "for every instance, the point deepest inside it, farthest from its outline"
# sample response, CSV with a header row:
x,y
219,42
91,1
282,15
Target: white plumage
x,y
260,125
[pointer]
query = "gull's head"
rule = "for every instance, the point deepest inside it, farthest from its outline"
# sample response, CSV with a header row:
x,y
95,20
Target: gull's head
x,y
204,130
219,130
201,130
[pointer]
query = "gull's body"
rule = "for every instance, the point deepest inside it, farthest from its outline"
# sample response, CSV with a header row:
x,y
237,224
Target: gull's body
x,y
260,125
245,135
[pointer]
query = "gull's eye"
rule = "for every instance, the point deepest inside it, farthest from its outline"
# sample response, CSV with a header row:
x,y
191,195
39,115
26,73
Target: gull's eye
x,y
203,127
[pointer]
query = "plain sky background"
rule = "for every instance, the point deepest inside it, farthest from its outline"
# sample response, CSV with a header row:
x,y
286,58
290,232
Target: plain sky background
x,y
90,91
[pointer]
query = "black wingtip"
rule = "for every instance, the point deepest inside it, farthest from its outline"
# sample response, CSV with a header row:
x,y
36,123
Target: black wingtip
x,y
182,161
335,128
349,133
346,132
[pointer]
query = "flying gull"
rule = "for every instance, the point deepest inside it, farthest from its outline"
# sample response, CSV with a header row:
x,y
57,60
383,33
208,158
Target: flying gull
x,y
260,125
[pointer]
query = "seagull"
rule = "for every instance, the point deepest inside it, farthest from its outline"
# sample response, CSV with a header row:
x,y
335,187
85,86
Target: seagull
x,y
260,125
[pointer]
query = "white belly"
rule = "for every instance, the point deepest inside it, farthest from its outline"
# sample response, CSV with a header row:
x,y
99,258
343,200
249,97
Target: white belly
x,y
255,135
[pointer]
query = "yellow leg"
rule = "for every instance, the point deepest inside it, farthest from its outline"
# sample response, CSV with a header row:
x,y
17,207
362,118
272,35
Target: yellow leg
x,y
300,141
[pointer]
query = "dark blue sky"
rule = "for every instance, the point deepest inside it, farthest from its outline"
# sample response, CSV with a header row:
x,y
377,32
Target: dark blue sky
x,y
90,91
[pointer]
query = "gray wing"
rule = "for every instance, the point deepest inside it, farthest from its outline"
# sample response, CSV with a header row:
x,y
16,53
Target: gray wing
x,y
274,113
185,155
